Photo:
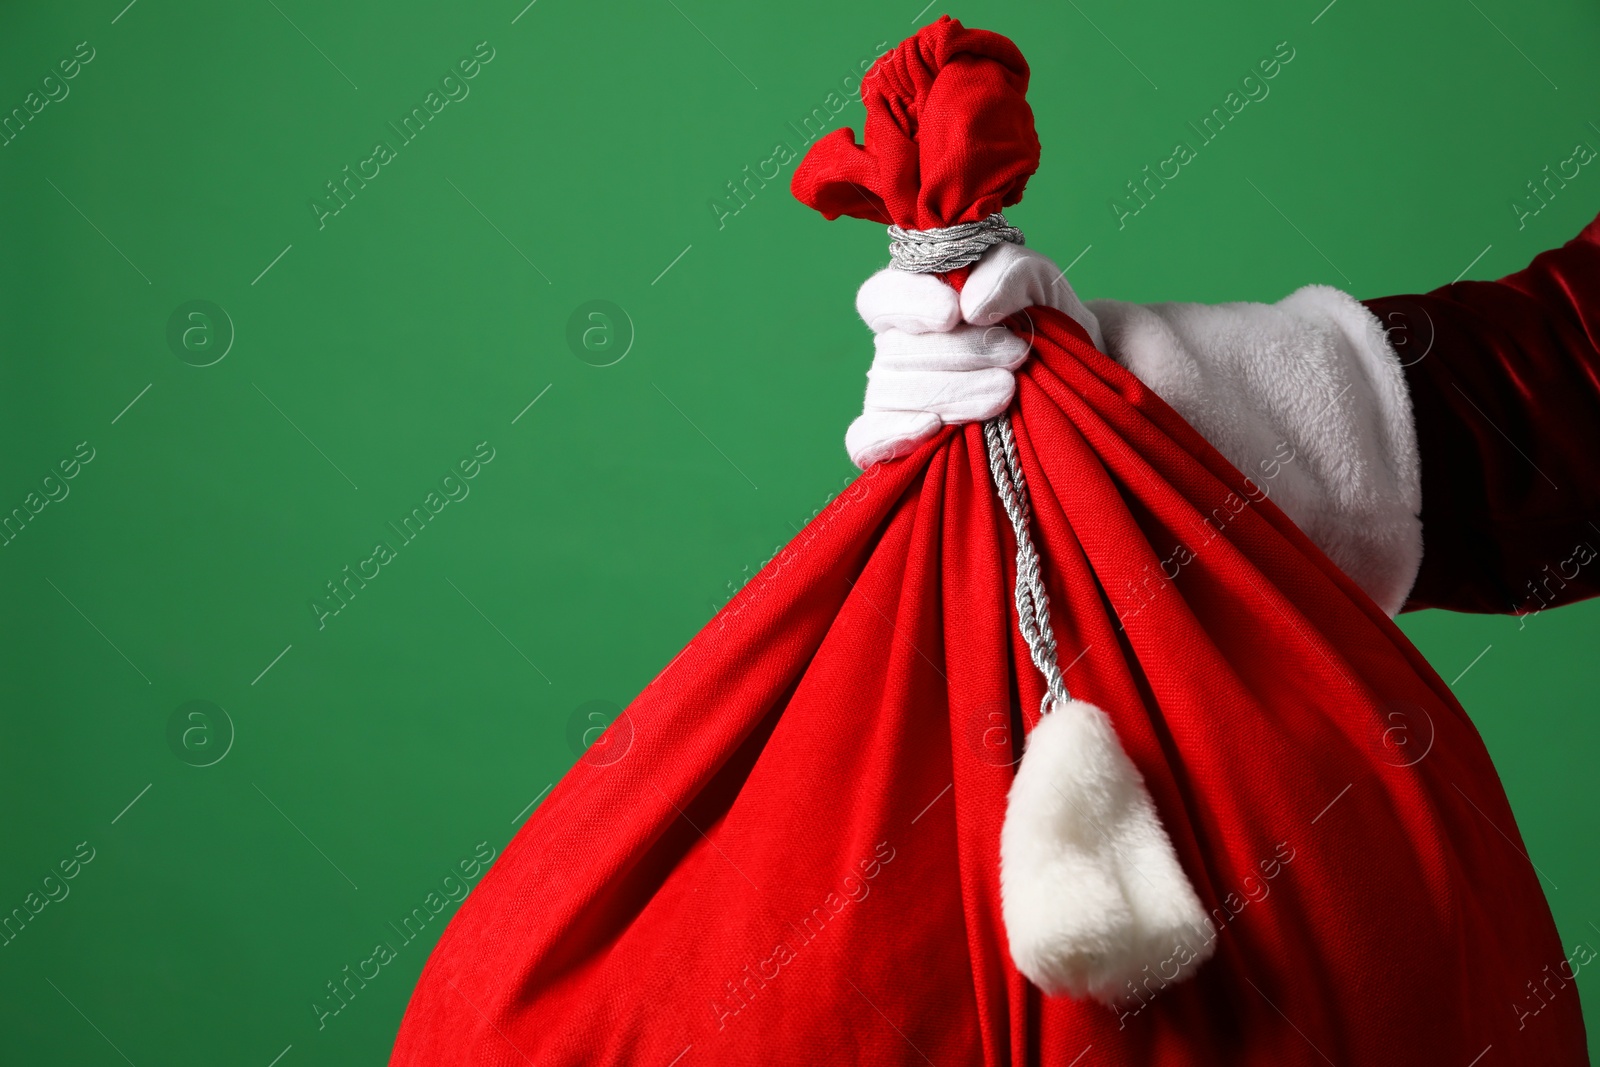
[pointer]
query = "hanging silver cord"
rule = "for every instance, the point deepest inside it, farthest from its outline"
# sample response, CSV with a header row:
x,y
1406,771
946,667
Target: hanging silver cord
x,y
1033,603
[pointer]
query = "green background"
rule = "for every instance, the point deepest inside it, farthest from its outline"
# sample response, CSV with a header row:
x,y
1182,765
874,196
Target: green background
x,y
621,509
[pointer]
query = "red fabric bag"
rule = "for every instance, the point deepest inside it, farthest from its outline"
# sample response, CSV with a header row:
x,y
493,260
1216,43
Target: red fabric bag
x,y
786,850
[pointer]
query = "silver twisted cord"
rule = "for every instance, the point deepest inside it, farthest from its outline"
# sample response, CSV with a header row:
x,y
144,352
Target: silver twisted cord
x,y
1033,603
949,247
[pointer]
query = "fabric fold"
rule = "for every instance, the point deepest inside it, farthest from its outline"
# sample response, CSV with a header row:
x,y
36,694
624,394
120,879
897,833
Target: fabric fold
x,y
788,853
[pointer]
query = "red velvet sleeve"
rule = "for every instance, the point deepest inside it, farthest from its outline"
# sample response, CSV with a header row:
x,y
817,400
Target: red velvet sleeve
x,y
1505,386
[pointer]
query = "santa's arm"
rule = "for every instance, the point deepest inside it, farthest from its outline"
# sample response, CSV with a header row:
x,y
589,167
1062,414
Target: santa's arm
x,y
1504,378
1443,449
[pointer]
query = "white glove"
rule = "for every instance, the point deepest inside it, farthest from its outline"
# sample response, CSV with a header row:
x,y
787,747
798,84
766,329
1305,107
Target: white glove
x,y
940,359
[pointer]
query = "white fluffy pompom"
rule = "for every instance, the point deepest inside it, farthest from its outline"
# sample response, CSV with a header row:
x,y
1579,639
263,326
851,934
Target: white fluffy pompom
x,y
1091,889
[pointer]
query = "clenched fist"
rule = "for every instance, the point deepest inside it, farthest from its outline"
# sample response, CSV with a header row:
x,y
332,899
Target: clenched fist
x,y
941,359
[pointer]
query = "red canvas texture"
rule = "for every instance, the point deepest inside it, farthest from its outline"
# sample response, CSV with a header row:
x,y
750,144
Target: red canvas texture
x,y
785,852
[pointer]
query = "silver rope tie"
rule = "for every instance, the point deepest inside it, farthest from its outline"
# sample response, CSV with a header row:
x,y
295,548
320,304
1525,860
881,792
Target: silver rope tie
x,y
950,247
940,251
1033,603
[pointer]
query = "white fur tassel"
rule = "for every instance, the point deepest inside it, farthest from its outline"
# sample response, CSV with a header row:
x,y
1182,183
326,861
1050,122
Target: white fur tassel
x,y
1091,889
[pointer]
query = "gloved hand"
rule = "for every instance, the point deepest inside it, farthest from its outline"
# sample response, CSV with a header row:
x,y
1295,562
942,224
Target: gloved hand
x,y
940,358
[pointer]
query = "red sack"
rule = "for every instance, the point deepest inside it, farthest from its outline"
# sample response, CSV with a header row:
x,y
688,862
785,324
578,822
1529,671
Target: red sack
x,y
786,850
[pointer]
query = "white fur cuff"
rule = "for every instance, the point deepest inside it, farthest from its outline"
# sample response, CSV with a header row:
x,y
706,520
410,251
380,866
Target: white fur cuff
x,y
1305,397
